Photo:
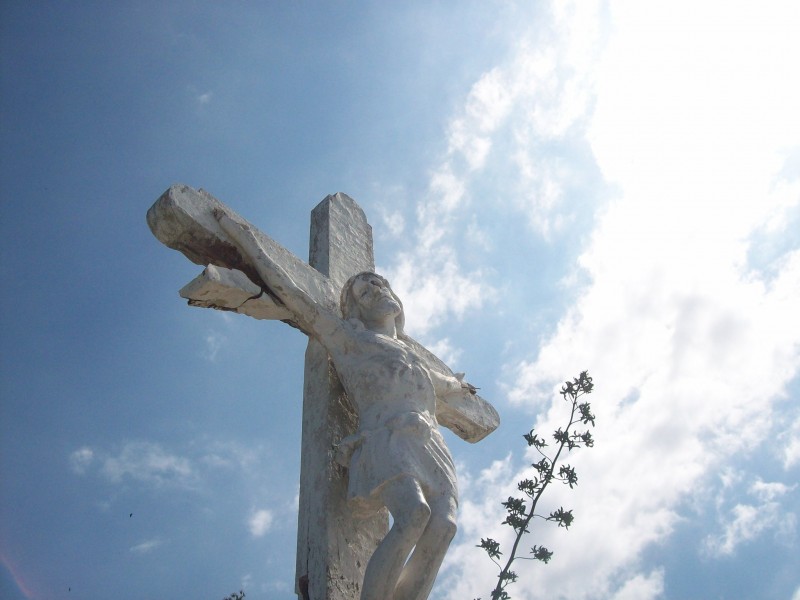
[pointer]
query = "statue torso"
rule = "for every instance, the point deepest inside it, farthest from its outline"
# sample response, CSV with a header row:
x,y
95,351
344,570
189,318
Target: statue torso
x,y
383,378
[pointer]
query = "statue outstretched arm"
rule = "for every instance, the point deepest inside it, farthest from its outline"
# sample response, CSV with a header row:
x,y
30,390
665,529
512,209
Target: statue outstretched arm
x,y
306,310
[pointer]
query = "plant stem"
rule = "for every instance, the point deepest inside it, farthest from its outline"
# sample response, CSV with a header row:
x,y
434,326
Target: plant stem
x,y
502,581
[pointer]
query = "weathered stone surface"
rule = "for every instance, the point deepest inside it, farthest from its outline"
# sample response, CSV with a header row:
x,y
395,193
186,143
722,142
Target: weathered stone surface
x,y
183,219
340,237
328,533
228,289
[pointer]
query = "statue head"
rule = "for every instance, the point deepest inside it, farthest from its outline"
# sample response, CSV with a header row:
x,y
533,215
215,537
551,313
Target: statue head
x,y
351,306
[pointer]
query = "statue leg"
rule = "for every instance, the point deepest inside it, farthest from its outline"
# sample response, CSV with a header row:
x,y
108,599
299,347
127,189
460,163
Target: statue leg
x,y
420,572
410,513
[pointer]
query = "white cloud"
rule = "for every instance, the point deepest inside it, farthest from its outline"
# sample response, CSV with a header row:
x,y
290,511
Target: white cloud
x,y
445,351
432,287
230,455
487,106
689,344
214,343
448,192
431,278
747,521
790,452
148,462
147,546
247,579
769,491
260,522
642,587
513,111
81,459
395,223
478,516
153,464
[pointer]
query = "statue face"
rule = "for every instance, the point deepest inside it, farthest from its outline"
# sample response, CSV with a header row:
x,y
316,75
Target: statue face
x,y
375,299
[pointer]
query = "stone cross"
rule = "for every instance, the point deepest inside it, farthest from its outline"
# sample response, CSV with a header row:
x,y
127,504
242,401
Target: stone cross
x,y
333,546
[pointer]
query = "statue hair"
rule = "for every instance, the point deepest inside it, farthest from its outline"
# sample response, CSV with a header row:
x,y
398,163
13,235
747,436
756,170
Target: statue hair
x,y
350,308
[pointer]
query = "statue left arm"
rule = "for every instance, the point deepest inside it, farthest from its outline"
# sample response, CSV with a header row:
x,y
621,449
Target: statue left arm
x,y
315,318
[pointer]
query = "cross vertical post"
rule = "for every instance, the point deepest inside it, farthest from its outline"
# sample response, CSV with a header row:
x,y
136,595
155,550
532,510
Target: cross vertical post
x,y
333,547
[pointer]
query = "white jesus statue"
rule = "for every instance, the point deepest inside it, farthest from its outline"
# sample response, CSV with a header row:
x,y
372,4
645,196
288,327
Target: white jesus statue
x,y
398,458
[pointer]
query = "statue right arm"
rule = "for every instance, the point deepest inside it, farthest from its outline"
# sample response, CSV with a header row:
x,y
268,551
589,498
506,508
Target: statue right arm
x,y
307,311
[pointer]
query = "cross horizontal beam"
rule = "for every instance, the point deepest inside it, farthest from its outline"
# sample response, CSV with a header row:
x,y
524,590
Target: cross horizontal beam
x,y
183,219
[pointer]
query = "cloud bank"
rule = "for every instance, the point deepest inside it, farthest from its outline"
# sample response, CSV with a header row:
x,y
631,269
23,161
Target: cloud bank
x,y
689,330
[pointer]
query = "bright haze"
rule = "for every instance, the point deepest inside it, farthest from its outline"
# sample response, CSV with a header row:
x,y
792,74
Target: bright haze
x,y
553,187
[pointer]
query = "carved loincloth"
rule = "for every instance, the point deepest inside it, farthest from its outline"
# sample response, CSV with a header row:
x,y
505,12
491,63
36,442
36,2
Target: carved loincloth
x,y
409,444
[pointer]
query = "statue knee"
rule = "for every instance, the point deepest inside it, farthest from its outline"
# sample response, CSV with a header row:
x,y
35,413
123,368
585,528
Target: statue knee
x,y
452,529
413,517
446,528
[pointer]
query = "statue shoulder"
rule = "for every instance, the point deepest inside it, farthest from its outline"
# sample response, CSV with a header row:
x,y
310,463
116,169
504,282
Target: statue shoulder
x,y
345,335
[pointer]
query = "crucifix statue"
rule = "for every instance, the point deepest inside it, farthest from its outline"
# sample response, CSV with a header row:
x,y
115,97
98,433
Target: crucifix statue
x,y
373,396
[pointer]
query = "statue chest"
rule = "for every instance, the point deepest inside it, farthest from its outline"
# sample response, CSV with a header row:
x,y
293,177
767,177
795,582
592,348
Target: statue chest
x,y
384,366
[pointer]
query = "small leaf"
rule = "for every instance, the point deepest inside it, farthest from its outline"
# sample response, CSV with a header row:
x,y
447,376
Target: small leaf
x,y
568,475
561,436
534,440
586,413
508,576
541,553
563,517
491,546
543,466
529,486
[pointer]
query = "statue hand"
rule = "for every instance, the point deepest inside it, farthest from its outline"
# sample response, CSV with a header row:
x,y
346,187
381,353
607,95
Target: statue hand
x,y
466,386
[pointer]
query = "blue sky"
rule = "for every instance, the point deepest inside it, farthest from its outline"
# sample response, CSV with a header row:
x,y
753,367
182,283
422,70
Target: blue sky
x,y
611,186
